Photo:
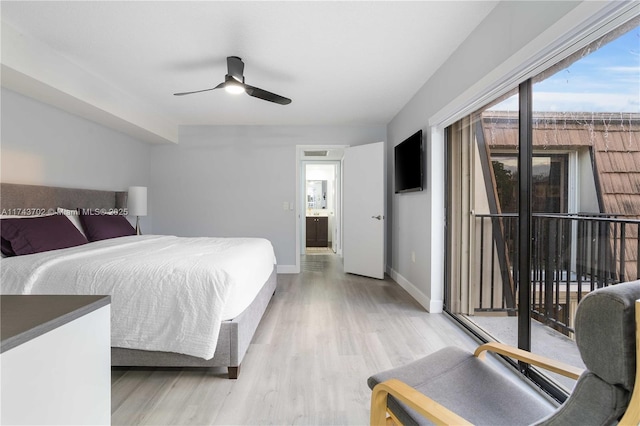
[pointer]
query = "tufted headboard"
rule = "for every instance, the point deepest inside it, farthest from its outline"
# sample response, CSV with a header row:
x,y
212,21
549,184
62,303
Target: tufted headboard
x,y
17,199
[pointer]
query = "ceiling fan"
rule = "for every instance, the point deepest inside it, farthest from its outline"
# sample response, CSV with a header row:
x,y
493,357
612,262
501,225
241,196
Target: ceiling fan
x,y
234,83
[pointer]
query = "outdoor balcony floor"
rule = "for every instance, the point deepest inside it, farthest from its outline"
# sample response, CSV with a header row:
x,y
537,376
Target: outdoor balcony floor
x,y
544,341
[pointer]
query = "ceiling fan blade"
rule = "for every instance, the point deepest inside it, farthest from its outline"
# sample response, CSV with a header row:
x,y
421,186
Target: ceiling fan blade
x,y
234,83
198,91
267,96
235,68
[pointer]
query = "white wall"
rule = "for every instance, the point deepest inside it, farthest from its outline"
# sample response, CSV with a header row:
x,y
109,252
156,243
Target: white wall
x,y
416,222
588,194
233,180
43,145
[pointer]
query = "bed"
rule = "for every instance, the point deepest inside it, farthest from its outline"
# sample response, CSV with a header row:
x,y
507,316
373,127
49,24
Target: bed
x,y
147,277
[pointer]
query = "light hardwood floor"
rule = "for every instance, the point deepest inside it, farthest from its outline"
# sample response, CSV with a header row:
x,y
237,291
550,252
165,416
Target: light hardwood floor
x,y
323,334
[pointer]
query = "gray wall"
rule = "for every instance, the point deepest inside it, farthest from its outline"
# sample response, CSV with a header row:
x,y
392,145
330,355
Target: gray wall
x,y
232,180
414,222
43,145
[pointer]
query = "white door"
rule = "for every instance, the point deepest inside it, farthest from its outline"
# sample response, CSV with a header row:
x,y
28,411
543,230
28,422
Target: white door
x,y
363,210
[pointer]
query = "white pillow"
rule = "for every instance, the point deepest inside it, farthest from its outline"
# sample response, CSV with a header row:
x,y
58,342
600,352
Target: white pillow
x,y
74,217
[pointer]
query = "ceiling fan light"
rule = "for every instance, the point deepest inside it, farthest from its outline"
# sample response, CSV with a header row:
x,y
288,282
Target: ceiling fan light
x,y
234,87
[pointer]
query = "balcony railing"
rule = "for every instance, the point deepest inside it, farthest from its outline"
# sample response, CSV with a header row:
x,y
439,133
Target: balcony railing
x,y
573,254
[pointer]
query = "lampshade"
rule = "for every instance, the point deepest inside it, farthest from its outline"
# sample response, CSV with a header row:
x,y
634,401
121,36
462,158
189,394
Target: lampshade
x,y
137,201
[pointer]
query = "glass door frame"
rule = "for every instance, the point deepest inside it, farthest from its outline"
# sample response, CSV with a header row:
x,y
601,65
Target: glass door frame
x,y
524,242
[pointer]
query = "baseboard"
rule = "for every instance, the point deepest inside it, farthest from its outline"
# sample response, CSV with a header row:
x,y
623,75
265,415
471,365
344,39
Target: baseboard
x,y
288,269
432,306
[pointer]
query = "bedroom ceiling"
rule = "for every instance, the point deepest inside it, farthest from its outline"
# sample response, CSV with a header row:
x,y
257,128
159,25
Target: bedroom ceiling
x,y
342,63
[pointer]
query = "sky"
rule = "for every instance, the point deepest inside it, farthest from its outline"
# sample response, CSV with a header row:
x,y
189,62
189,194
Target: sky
x,y
605,80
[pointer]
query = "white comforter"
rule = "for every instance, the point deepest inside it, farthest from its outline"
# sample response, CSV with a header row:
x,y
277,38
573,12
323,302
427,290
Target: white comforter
x,y
167,293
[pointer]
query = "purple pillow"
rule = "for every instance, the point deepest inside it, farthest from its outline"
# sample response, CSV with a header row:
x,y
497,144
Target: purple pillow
x,y
5,247
38,234
104,226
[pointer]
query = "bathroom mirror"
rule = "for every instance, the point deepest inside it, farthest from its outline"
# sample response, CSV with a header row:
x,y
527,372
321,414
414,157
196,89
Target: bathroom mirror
x,y
316,194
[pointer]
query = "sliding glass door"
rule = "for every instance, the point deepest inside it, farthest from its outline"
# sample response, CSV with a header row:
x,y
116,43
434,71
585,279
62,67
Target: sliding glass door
x,y
543,200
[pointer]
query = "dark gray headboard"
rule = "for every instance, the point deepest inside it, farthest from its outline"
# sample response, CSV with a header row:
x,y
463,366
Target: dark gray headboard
x,y
15,197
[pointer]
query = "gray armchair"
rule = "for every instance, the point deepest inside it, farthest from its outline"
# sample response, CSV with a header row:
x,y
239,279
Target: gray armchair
x,y
452,386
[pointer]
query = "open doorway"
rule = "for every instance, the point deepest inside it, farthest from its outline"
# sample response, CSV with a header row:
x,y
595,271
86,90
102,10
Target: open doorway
x,y
322,221
319,225
358,233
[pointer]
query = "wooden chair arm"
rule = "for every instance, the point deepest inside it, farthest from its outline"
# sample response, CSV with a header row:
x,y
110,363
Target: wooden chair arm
x,y
632,415
533,359
424,405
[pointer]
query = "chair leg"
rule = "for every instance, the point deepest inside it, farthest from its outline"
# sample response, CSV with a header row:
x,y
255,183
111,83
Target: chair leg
x,y
378,406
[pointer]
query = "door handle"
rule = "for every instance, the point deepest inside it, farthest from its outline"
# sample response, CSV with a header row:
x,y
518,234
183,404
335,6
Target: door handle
x,y
379,217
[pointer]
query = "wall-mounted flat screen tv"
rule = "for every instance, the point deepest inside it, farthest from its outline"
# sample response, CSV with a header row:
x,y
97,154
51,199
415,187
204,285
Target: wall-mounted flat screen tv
x,y
408,164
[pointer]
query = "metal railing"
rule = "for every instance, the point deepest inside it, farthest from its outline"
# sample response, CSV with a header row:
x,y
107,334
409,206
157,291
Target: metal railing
x,y
573,254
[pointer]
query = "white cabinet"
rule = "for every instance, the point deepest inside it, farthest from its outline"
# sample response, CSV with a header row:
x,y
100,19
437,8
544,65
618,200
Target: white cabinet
x,y
55,365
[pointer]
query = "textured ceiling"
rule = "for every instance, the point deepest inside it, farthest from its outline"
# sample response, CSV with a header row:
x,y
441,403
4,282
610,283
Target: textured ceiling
x,y
342,63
